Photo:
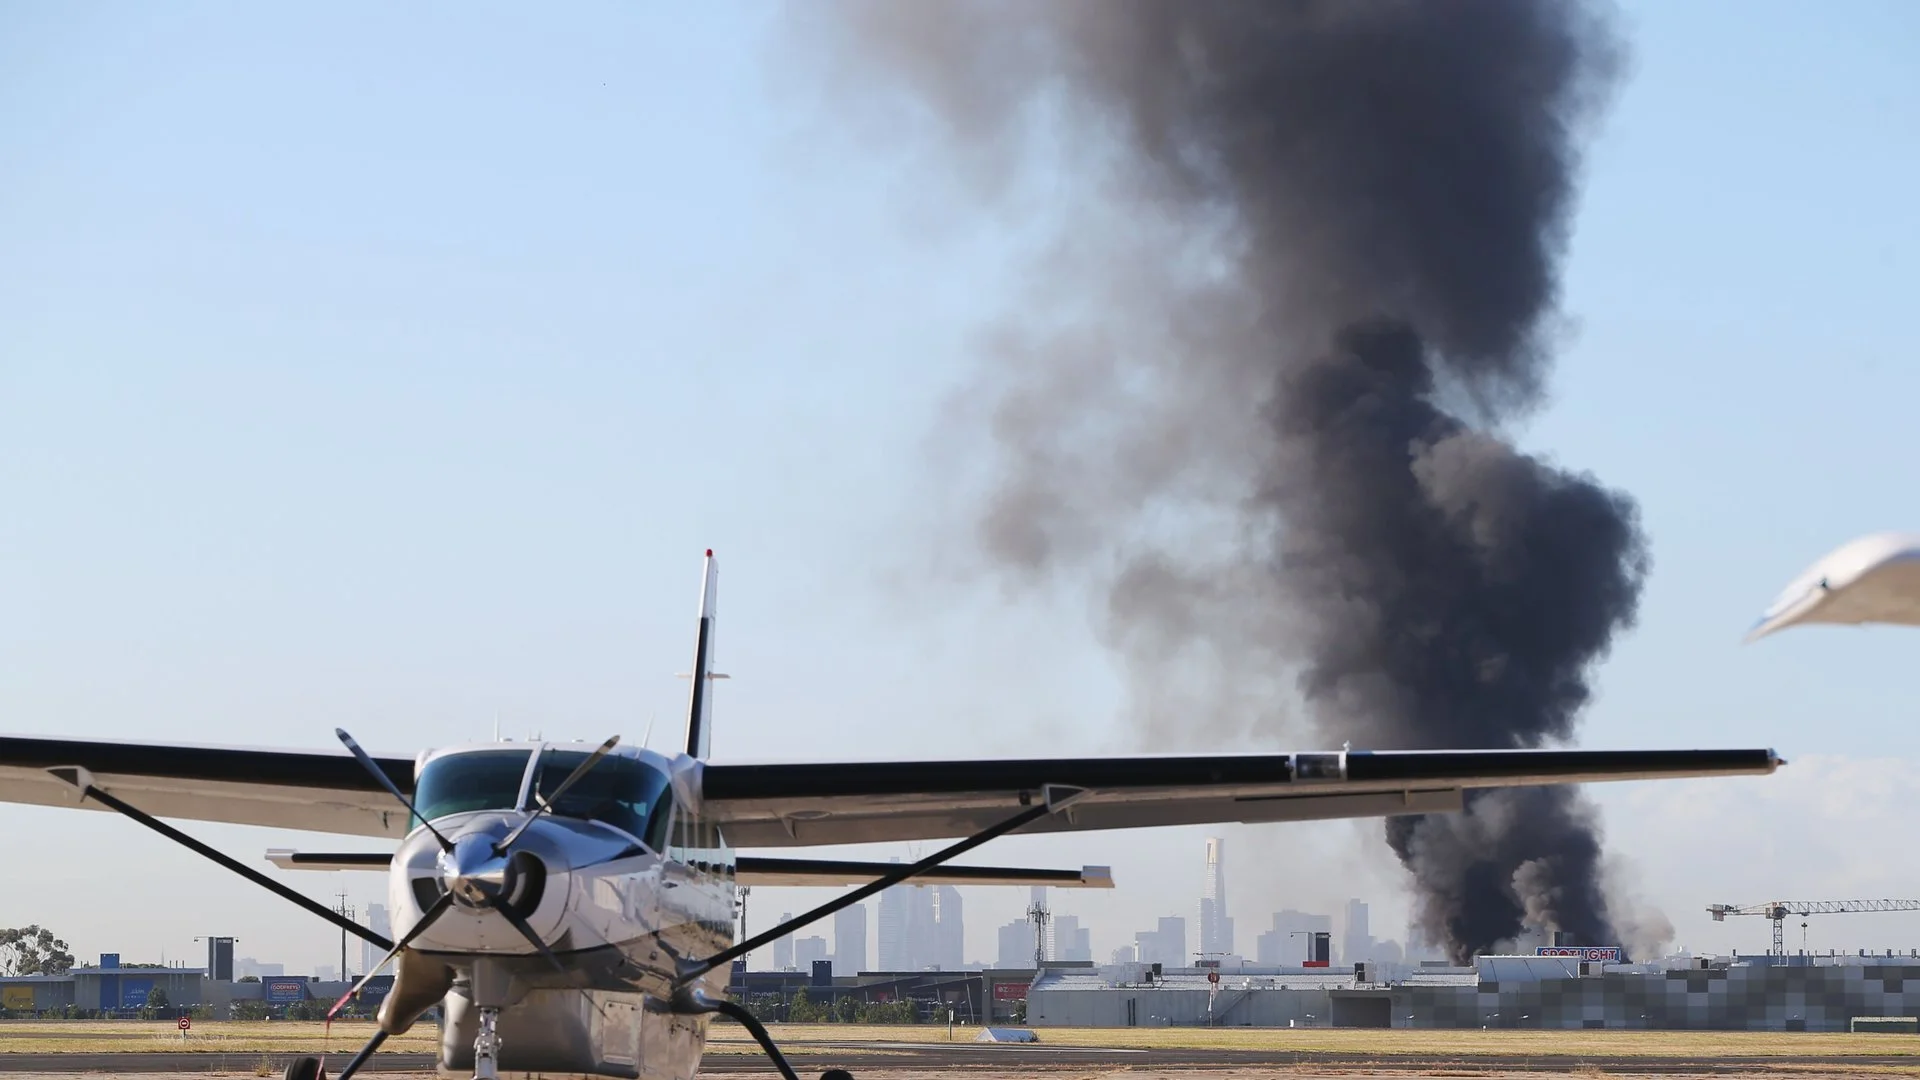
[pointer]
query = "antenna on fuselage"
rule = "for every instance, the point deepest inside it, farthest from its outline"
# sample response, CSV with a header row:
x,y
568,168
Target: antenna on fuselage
x,y
647,739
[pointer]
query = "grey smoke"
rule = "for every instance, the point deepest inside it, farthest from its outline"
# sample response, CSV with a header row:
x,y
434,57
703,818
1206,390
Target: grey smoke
x,y
1258,380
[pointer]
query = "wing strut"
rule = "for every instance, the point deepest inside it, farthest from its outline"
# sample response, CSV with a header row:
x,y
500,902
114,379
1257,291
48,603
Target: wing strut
x,y
82,781
690,999
1053,798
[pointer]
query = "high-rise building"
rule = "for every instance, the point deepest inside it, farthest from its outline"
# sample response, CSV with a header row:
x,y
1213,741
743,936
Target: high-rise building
x,y
1071,941
380,923
850,940
1356,939
1165,945
949,938
1216,928
808,949
907,928
1016,945
1290,942
783,948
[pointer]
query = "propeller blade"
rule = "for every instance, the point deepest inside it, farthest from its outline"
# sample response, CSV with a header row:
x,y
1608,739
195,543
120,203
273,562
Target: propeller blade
x,y
438,909
393,789
526,931
365,1055
547,803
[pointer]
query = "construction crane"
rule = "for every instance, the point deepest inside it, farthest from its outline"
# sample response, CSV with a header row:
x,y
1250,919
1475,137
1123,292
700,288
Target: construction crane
x,y
1779,910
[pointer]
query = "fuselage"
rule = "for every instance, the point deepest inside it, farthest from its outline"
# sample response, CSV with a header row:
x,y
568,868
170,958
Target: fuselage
x,y
621,880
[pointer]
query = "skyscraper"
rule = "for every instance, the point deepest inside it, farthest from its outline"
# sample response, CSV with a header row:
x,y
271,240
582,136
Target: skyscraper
x,y
850,940
379,923
907,928
783,948
1071,941
949,938
1216,929
1356,941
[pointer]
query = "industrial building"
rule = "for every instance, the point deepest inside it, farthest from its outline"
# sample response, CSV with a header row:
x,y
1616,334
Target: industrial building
x,y
1741,993
112,990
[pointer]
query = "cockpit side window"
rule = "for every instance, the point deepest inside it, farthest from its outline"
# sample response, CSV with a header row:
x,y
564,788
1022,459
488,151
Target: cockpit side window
x,y
475,780
617,791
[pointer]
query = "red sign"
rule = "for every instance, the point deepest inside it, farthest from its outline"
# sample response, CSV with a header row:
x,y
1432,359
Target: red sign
x,y
186,1023
1009,991
1314,963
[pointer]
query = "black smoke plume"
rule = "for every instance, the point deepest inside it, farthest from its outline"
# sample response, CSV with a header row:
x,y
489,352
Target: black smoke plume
x,y
1307,272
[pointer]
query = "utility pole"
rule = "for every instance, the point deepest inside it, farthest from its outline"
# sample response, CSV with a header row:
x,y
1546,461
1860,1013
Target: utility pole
x,y
744,890
347,913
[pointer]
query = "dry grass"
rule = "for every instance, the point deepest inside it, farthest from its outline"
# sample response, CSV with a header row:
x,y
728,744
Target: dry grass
x,y
207,1036
1394,1043
1478,1047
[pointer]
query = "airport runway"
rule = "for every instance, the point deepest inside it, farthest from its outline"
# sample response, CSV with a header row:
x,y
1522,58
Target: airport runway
x,y
883,1061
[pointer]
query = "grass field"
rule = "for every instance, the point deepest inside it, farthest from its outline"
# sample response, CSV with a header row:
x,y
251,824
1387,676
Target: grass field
x,y
1651,1045
43,1037
227,1037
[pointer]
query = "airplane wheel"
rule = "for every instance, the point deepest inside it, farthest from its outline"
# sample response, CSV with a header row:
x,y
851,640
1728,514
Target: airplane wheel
x,y
836,1074
306,1068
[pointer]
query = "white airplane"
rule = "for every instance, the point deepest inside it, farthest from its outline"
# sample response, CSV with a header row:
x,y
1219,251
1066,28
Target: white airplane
x,y
1869,579
570,908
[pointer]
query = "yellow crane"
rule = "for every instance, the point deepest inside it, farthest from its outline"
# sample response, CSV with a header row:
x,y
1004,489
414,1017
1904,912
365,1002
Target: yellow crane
x,y
1779,910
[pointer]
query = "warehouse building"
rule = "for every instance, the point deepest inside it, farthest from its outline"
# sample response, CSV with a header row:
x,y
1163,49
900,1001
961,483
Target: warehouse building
x,y
1817,994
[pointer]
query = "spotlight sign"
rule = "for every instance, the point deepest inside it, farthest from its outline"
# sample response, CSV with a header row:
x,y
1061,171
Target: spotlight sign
x,y
1605,954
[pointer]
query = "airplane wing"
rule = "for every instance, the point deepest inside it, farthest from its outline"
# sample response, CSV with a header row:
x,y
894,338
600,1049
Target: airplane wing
x,y
807,804
800,805
314,791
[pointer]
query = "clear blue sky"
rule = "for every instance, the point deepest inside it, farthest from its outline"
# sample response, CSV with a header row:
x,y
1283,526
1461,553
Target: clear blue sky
x,y
390,368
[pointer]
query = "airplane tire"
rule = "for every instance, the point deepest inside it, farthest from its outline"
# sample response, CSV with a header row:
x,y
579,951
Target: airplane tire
x,y
305,1068
836,1074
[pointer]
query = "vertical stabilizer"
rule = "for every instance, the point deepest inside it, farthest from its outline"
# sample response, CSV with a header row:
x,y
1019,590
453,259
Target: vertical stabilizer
x,y
700,701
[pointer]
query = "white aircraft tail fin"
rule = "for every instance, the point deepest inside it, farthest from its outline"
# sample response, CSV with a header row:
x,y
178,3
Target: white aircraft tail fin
x,y
700,700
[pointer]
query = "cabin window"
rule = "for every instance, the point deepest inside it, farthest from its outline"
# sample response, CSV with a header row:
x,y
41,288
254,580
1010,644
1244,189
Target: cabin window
x,y
464,782
618,791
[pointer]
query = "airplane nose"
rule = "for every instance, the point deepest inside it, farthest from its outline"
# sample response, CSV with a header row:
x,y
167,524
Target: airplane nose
x,y
474,874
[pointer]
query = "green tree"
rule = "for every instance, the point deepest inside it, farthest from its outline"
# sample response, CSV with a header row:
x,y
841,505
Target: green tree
x,y
33,950
803,1010
156,998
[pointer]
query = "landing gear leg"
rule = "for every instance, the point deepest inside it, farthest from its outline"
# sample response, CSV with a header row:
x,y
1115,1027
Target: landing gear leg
x,y
486,1046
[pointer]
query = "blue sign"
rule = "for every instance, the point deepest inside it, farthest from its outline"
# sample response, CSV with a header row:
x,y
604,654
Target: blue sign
x,y
284,991
109,959
133,992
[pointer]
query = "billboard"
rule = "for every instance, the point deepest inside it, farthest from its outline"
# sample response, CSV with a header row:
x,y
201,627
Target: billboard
x,y
1607,954
16,997
133,992
1010,991
284,991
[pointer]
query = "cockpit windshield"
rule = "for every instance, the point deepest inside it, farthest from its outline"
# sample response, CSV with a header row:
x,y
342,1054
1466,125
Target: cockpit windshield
x,y
626,793
476,780
623,792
